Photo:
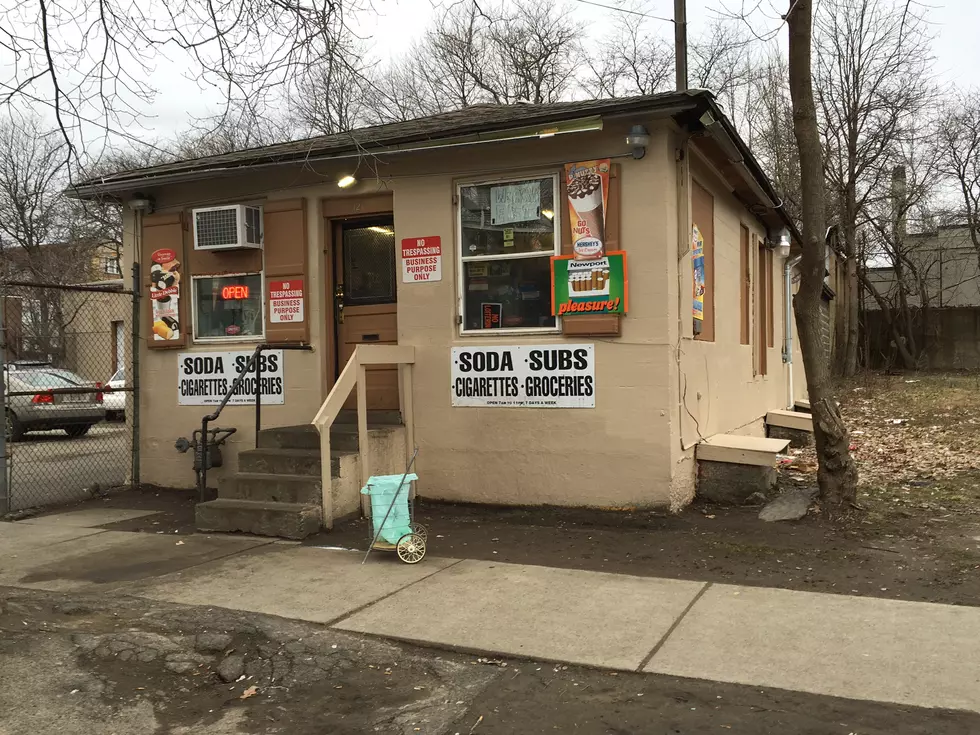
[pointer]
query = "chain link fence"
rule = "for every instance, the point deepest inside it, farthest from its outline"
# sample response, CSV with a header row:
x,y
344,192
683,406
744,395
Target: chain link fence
x,y
69,392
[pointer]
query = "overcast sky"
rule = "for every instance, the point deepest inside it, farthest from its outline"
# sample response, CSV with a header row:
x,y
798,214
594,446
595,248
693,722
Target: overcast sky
x,y
398,22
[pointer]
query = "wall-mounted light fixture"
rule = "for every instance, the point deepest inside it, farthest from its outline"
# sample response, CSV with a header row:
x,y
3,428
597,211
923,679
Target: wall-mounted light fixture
x,y
346,181
783,243
638,139
549,213
140,203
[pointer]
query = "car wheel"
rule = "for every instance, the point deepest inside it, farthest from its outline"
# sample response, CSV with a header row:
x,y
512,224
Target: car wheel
x,y
13,428
76,431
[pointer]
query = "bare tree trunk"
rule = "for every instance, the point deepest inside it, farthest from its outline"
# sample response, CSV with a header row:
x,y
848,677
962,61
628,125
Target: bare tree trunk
x,y
837,473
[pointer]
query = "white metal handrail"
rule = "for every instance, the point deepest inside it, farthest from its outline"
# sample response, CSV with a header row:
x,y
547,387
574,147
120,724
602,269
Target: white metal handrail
x,y
353,375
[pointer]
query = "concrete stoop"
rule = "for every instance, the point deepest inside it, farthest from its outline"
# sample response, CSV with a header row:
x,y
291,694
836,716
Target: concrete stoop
x,y
734,469
277,489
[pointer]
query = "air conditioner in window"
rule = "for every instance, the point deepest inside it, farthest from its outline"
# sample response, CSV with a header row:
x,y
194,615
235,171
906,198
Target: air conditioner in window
x,y
231,227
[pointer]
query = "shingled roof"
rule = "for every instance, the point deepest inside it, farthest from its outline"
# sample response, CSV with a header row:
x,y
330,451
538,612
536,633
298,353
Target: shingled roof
x,y
468,121
472,124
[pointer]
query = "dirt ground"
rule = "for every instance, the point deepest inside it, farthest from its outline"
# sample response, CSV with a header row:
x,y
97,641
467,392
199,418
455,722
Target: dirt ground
x,y
95,665
917,442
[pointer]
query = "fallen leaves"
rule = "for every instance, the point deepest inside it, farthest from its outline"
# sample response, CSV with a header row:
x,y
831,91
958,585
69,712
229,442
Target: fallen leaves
x,y
250,692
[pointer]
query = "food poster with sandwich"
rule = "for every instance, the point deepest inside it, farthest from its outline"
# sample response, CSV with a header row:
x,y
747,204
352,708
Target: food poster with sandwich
x,y
697,252
599,286
587,189
165,295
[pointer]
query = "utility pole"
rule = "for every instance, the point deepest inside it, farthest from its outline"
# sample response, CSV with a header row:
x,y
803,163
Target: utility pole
x,y
680,44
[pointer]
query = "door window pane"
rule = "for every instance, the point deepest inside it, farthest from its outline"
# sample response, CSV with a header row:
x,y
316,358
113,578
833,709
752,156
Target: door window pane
x,y
369,265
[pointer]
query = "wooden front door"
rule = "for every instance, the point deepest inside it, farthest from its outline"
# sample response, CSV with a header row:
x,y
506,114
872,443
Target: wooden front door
x,y
365,306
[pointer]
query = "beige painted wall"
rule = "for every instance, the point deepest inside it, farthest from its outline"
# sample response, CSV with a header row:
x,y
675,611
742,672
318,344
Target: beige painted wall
x,y
715,388
624,453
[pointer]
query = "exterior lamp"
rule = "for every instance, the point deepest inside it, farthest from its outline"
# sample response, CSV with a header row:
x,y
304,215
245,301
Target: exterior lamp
x,y
346,181
549,213
140,203
783,243
638,139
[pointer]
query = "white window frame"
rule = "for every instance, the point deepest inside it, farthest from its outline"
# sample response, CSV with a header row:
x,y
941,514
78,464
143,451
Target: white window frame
x,y
462,260
227,338
111,265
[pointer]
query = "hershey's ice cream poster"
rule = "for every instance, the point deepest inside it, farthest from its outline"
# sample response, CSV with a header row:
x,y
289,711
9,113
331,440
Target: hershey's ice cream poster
x,y
524,376
599,286
165,295
587,189
203,378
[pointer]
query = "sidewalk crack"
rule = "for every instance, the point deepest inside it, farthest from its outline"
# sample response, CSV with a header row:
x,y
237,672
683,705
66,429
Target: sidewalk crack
x,y
660,644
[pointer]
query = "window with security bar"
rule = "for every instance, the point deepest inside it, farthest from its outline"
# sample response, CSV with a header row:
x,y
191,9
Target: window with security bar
x,y
508,231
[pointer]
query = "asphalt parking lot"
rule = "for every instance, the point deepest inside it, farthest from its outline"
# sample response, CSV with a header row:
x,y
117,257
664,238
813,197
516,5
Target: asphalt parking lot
x,y
49,468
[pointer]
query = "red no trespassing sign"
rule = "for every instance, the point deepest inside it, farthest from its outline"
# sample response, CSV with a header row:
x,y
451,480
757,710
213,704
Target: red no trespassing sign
x,y
286,301
421,259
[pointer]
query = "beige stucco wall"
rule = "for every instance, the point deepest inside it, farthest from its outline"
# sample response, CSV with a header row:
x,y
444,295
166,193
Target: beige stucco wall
x,y
632,450
715,385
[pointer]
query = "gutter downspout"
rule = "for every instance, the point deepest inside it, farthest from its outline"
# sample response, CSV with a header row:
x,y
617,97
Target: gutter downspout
x,y
788,329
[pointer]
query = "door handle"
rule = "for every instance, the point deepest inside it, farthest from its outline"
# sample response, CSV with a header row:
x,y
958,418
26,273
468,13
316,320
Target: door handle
x,y
338,296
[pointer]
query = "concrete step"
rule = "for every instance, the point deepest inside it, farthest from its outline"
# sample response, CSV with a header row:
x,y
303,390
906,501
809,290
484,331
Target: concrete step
x,y
283,462
285,520
343,434
375,417
301,489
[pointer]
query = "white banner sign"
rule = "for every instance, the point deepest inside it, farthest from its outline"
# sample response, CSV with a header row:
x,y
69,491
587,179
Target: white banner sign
x,y
524,376
203,378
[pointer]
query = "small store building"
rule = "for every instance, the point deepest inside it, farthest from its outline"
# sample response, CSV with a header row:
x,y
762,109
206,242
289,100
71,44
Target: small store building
x,y
572,297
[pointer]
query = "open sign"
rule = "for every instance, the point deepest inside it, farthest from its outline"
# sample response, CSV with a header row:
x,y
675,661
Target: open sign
x,y
234,293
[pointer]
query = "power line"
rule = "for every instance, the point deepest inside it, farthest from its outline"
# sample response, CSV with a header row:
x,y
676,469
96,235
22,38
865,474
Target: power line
x,y
625,10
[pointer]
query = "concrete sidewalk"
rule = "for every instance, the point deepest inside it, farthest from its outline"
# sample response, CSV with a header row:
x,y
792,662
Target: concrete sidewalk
x,y
856,647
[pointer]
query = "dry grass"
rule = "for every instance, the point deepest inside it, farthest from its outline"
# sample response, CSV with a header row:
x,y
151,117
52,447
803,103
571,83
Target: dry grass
x,y
916,439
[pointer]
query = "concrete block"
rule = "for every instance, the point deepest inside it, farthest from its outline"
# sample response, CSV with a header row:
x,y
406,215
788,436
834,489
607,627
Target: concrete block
x,y
301,582
797,437
732,484
286,520
591,618
911,653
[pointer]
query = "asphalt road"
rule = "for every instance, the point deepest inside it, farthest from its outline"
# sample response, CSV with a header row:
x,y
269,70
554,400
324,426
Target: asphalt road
x,y
49,468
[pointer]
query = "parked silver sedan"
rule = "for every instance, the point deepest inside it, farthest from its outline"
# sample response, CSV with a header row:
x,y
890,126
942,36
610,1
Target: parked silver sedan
x,y
37,403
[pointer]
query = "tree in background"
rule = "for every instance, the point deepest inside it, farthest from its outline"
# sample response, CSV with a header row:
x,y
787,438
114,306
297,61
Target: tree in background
x,y
836,473
959,156
872,84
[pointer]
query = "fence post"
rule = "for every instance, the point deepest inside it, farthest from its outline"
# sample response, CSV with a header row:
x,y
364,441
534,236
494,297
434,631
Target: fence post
x,y
4,489
135,377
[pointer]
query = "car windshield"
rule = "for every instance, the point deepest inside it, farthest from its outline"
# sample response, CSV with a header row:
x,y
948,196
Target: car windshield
x,y
64,375
118,376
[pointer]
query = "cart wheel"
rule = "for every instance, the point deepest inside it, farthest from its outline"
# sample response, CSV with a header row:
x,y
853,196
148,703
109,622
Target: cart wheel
x,y
411,548
419,530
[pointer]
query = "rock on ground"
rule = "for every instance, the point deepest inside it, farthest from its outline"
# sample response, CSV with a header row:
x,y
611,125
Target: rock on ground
x,y
792,505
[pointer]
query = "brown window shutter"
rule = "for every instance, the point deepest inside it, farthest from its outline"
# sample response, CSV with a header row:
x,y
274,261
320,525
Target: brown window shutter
x,y
164,231
286,252
594,325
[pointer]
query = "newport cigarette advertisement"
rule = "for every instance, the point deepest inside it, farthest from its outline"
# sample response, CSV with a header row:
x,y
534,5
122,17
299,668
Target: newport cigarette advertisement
x,y
587,187
599,286
165,295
